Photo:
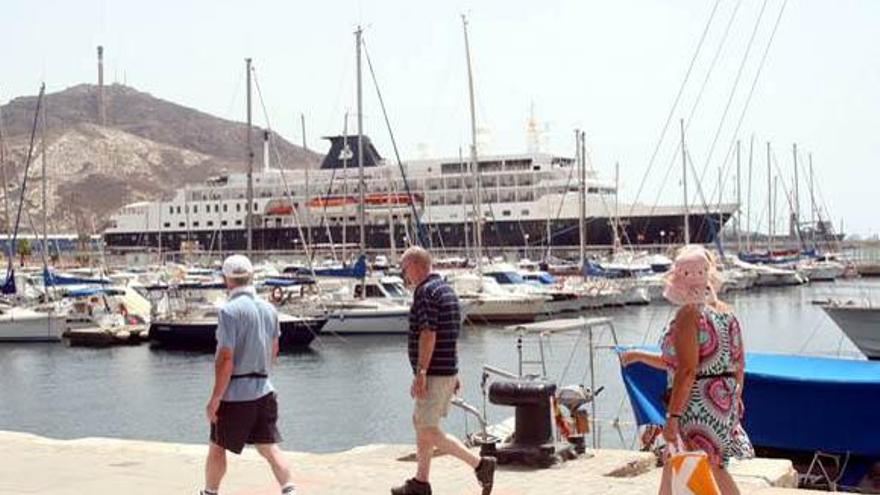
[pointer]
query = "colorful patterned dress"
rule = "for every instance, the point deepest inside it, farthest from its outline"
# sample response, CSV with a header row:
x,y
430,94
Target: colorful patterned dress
x,y
711,419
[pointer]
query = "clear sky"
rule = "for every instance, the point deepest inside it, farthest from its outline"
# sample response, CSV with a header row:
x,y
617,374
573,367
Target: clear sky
x,y
612,68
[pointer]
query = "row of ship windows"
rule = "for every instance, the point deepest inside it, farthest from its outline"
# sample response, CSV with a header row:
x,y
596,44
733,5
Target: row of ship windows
x,y
195,209
209,223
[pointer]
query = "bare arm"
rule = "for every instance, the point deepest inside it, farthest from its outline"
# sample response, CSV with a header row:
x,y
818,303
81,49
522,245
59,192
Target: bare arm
x,y
648,358
276,349
687,352
427,340
223,366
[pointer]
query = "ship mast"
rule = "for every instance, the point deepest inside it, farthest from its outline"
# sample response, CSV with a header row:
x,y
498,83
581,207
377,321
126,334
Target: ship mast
x,y
478,217
45,243
582,200
250,172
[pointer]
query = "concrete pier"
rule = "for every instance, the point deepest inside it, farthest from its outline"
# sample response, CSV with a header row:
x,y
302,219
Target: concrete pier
x,y
30,464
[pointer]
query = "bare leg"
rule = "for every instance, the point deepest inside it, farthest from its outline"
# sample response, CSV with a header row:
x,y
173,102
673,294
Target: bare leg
x,y
276,460
424,453
666,480
215,467
448,444
725,481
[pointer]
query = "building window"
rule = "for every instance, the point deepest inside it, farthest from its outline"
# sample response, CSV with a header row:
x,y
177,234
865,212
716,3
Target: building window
x,y
195,208
216,208
178,210
210,223
237,206
525,213
224,223
171,210
255,206
195,224
505,213
181,224
167,225
224,208
238,222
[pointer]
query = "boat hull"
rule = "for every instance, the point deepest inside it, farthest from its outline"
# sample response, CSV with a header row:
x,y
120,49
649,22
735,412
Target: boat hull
x,y
295,333
861,325
31,328
368,322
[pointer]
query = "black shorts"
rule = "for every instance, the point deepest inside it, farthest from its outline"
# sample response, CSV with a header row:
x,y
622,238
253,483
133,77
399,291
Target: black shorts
x,y
250,422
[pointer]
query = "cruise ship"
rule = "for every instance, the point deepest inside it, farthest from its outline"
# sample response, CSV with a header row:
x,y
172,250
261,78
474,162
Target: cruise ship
x,y
528,199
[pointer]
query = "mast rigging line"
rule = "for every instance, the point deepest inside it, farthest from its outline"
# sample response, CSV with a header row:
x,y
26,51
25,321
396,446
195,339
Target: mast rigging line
x,y
415,214
733,89
274,146
674,156
675,104
749,97
11,246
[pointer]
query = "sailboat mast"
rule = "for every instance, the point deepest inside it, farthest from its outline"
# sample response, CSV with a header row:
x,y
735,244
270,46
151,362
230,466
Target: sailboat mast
x,y
769,201
749,201
3,178
478,217
797,196
43,147
813,226
345,157
684,183
465,203
736,225
250,173
308,198
361,182
582,200
616,206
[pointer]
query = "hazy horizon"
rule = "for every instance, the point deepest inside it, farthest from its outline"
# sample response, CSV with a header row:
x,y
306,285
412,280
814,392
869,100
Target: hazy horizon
x,y
612,70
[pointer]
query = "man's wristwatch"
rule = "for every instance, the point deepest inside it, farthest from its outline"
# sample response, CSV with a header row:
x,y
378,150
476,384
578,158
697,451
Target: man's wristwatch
x,y
421,371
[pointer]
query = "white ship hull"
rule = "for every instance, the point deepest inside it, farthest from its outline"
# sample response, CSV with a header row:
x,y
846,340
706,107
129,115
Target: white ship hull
x,y
25,325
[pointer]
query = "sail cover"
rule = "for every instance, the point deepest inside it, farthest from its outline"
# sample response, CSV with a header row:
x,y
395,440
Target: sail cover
x,y
796,403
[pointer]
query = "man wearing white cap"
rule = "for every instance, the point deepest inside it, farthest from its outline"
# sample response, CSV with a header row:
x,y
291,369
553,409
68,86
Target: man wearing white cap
x,y
243,408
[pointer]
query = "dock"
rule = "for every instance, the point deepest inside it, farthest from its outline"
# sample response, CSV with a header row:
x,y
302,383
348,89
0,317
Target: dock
x,y
106,337
31,464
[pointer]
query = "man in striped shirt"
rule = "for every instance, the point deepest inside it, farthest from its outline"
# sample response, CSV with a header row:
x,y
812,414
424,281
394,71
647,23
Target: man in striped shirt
x,y
434,325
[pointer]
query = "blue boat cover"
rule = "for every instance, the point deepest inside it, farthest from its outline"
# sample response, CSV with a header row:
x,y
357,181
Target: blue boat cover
x,y
792,402
358,270
50,278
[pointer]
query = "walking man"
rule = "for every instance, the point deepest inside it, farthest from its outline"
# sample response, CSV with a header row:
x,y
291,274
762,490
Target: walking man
x,y
243,408
434,325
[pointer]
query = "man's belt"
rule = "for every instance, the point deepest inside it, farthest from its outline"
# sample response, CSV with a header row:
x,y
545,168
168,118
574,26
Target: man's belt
x,y
250,375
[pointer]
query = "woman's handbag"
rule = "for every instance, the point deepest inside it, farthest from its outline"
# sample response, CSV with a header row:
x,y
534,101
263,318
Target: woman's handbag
x,y
691,473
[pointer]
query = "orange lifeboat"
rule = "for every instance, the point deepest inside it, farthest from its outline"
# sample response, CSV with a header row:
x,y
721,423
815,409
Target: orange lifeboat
x,y
392,199
331,201
279,207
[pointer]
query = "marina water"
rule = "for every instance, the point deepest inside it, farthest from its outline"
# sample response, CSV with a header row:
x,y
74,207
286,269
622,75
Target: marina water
x,y
355,391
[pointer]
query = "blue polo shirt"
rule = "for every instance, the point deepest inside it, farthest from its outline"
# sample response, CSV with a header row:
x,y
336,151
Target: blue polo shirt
x,y
435,307
248,326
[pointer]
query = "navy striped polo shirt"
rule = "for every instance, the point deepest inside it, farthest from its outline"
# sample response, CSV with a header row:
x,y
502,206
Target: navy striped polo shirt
x,y
435,306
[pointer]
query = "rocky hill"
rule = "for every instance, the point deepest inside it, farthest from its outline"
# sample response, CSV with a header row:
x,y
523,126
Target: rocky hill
x,y
147,148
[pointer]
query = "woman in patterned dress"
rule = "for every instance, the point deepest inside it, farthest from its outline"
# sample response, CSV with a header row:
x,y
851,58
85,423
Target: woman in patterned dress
x,y
702,352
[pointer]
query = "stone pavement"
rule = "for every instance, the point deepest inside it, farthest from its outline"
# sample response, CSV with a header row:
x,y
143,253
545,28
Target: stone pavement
x,y
30,464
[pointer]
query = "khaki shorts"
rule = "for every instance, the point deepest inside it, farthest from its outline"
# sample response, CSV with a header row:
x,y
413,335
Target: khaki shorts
x,y
435,406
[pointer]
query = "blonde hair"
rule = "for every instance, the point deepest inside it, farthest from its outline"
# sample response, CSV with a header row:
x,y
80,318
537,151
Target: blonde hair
x,y
417,254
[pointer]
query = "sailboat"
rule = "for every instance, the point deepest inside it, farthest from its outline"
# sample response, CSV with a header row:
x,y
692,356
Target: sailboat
x,y
18,323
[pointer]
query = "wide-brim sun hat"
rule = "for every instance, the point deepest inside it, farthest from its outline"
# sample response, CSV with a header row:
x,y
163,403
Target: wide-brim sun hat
x,y
693,278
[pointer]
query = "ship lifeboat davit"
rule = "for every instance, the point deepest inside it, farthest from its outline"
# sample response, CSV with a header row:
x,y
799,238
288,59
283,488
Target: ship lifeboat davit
x,y
279,207
393,199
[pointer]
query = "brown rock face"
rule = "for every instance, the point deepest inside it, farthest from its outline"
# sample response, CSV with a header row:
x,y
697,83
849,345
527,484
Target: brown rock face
x,y
149,148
